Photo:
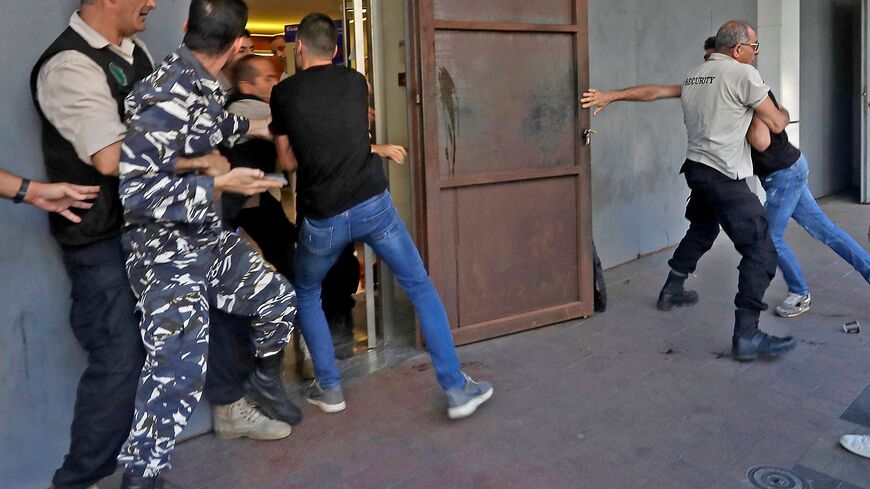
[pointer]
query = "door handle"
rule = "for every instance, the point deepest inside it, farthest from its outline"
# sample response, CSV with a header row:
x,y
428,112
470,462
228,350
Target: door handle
x,y
587,136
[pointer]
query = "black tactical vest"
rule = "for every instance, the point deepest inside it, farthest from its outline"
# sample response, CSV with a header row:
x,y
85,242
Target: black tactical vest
x,y
105,218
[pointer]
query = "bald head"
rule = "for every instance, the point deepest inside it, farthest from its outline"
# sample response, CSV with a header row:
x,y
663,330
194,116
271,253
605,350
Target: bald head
x,y
731,34
255,75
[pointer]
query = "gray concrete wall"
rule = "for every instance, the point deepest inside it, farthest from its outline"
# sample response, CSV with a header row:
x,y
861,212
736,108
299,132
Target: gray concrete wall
x,y
638,196
830,92
40,362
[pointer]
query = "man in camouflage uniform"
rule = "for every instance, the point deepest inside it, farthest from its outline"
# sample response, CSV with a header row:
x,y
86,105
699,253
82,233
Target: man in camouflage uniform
x,y
181,261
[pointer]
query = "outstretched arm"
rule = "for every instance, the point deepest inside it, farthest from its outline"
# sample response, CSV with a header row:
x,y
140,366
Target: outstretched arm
x,y
107,161
51,197
641,93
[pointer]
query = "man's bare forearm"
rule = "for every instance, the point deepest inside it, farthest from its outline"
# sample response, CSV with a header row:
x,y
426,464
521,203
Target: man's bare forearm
x,y
598,100
107,161
758,135
775,118
646,93
9,184
286,158
187,165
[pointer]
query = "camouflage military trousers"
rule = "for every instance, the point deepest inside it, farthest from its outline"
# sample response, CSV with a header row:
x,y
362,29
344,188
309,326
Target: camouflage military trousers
x,y
177,276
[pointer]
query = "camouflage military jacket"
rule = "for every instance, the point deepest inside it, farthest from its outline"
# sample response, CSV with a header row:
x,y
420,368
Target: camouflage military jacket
x,y
177,111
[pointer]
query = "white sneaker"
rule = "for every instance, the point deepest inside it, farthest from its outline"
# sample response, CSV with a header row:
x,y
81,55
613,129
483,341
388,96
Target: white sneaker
x,y
243,419
857,444
793,305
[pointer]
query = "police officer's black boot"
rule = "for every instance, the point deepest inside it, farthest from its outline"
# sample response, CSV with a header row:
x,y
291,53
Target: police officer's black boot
x,y
674,295
749,343
131,481
265,389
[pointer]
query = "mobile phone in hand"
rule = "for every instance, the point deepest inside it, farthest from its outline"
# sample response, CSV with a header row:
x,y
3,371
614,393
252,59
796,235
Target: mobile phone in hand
x,y
278,177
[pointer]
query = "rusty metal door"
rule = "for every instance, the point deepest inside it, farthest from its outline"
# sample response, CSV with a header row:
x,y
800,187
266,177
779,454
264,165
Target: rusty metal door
x,y
503,188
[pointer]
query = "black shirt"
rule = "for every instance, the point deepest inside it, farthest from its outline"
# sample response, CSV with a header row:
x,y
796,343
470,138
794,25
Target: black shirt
x,y
253,153
324,112
779,155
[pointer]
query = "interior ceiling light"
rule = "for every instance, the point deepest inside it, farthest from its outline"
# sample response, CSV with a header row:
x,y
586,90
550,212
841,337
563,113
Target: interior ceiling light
x,y
266,27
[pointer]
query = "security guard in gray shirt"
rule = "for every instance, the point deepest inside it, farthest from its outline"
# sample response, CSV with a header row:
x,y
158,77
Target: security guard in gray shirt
x,y
719,99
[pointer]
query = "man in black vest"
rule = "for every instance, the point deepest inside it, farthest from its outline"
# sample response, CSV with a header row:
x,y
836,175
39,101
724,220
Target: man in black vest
x,y
79,85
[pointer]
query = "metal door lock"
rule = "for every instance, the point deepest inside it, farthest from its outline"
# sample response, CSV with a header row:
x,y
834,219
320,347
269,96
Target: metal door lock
x,y
587,135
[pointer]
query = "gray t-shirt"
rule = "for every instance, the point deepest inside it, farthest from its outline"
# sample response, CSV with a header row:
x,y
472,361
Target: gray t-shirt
x,y
719,98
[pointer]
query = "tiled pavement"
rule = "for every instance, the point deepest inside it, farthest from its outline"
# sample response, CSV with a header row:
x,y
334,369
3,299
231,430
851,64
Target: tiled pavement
x,y
632,398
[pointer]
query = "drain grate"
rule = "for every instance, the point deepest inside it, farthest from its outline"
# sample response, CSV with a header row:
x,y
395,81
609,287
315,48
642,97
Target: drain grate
x,y
775,478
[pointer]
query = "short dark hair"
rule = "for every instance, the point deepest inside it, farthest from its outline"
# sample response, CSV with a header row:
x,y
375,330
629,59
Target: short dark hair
x,y
731,34
246,69
319,34
246,33
710,43
214,25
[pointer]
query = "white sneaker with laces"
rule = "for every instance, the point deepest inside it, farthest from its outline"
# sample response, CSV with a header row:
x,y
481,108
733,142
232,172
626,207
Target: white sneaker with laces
x,y
793,305
857,444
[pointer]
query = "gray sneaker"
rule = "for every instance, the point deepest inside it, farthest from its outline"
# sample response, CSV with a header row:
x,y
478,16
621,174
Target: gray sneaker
x,y
464,401
328,400
793,305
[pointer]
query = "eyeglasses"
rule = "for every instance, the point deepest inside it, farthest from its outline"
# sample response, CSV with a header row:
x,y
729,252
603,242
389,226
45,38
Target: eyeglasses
x,y
754,45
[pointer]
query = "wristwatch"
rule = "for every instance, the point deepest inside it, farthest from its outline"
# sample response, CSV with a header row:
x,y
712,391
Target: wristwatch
x,y
19,197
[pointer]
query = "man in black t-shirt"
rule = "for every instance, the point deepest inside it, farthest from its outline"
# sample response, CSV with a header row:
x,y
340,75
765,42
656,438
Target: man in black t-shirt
x,y
322,114
783,171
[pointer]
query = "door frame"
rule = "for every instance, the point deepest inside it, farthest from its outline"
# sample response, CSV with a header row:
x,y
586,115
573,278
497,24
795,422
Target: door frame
x,y
423,113
865,102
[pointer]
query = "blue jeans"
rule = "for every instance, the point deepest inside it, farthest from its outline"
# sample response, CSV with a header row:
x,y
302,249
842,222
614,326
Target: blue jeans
x,y
789,197
376,223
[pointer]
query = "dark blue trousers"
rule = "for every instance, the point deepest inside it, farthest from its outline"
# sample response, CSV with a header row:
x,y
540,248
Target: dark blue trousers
x,y
104,323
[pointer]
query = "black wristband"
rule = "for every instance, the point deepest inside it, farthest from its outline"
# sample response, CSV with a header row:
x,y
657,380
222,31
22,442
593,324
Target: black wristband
x,y
22,192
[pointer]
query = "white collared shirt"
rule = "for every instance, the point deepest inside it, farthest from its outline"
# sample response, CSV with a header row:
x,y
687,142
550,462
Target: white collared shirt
x,y
73,93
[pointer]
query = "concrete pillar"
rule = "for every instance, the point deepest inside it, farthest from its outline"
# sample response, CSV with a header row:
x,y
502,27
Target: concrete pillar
x,y
779,60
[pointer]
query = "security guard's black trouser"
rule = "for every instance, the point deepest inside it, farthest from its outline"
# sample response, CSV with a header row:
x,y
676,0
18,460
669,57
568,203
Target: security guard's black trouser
x,y
104,322
717,200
